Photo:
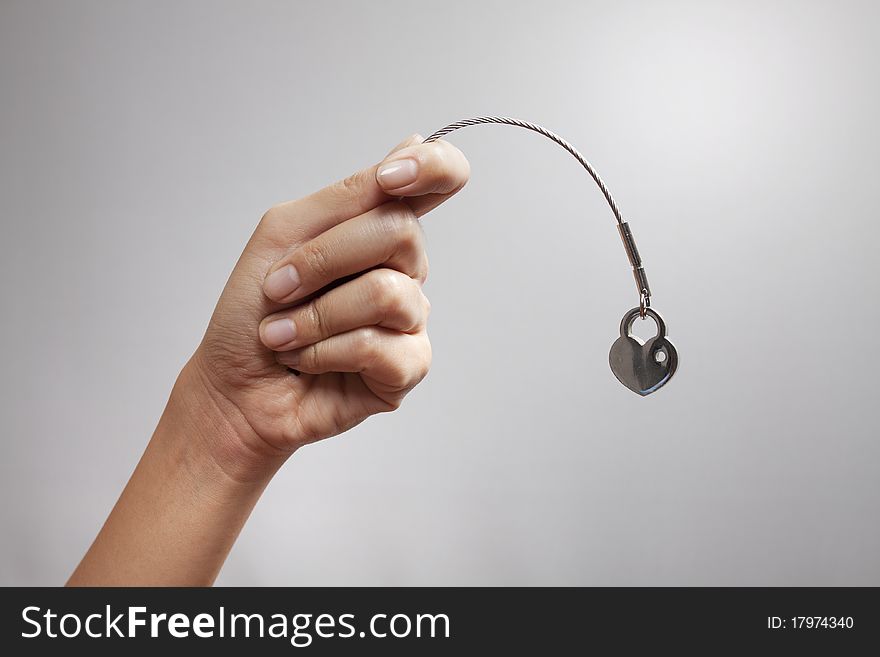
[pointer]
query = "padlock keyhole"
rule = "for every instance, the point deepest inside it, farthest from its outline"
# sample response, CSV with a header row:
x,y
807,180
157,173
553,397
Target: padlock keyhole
x,y
644,329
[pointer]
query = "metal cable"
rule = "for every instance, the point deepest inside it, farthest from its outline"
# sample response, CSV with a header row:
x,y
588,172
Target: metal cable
x,y
623,228
540,130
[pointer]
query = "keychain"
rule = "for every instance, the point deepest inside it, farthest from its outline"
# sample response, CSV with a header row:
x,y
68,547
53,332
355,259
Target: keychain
x,y
641,367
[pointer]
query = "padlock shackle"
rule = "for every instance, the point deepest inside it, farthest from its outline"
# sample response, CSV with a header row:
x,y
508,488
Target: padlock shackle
x,y
630,317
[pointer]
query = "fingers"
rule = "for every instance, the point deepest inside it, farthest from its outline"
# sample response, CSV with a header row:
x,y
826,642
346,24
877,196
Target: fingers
x,y
389,235
390,362
381,297
430,173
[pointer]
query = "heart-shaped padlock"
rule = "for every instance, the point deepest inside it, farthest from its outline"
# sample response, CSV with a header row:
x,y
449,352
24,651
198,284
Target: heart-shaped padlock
x,y
643,368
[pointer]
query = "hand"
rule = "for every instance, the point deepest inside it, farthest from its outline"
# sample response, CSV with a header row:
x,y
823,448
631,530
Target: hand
x,y
329,285
323,321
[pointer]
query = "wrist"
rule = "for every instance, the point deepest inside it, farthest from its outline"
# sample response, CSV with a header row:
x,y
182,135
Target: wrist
x,y
186,501
214,429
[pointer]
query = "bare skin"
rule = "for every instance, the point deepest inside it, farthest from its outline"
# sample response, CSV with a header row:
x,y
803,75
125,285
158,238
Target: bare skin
x,y
329,286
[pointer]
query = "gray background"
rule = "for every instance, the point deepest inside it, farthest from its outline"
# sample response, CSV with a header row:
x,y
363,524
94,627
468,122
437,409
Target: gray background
x,y
141,142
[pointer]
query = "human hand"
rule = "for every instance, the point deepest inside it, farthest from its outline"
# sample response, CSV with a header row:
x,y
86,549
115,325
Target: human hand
x,y
329,285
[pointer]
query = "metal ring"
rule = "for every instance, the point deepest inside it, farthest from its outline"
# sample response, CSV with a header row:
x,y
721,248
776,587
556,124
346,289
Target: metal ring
x,y
644,303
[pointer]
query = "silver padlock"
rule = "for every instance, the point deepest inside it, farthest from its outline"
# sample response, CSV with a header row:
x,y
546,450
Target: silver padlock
x,y
643,367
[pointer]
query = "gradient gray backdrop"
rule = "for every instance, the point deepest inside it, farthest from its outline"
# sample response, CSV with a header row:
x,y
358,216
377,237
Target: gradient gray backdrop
x,y
141,142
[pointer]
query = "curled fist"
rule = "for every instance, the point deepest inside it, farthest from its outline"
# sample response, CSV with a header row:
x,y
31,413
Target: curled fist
x,y
323,320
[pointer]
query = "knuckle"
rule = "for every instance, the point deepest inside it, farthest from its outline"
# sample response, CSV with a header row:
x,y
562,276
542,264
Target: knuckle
x,y
316,317
388,291
423,361
421,273
410,235
310,356
411,238
351,182
350,189
412,369
402,225
400,376
316,259
348,186
404,237
271,215
340,194
417,307
367,344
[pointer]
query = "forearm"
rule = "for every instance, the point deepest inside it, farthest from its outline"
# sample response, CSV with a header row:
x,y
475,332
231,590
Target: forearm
x,y
184,506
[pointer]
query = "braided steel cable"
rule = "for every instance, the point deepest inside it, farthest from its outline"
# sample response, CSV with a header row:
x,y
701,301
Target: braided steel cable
x,y
629,244
540,130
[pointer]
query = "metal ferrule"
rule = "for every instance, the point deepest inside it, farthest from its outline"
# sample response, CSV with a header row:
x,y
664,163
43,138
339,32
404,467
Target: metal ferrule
x,y
642,281
632,252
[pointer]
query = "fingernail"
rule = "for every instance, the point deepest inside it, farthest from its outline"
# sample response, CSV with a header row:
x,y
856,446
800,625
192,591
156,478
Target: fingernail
x,y
279,332
281,283
399,173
